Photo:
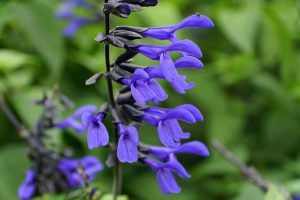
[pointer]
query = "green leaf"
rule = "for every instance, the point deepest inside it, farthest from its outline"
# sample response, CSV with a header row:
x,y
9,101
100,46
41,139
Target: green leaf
x,y
110,197
5,17
51,197
38,22
28,112
12,170
250,192
240,26
11,59
274,193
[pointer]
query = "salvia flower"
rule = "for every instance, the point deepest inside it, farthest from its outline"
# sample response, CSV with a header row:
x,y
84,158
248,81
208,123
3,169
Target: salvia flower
x,y
185,47
168,71
97,133
154,52
140,87
194,147
143,88
67,12
72,121
127,150
28,187
164,173
296,197
169,130
168,32
183,62
77,172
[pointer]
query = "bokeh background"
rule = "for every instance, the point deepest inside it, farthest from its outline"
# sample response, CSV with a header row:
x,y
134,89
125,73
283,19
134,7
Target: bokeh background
x,y
249,91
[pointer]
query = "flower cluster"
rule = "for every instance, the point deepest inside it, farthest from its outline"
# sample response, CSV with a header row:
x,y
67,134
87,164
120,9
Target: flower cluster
x,y
76,173
67,12
55,171
129,110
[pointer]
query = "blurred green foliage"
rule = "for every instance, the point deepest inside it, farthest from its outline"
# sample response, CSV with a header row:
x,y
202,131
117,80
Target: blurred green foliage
x,y
249,91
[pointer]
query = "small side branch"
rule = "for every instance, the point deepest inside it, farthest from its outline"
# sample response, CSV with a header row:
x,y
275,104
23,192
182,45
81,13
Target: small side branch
x,y
14,120
249,172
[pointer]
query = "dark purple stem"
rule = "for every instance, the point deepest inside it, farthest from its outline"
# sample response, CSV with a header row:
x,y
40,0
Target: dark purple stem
x,y
117,181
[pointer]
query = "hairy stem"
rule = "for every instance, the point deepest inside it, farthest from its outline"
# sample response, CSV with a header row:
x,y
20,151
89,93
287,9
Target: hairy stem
x,y
117,181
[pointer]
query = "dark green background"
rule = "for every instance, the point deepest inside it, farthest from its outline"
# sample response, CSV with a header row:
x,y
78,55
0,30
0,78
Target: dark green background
x,y
249,91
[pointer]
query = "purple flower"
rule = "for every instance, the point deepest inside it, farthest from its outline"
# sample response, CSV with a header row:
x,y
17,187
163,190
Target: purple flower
x,y
194,147
97,133
128,144
75,24
183,62
168,32
66,11
169,131
143,88
28,187
70,168
168,68
155,52
168,71
296,197
71,122
164,173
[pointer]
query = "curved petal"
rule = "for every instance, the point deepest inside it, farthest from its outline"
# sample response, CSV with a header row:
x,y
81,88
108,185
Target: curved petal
x,y
167,182
78,127
87,108
156,110
173,127
127,149
177,167
186,46
151,119
97,135
157,89
28,187
193,110
88,118
141,92
154,72
167,32
160,152
180,114
169,71
168,68
70,122
74,25
150,51
26,191
139,74
188,62
153,164
180,85
195,147
166,136
194,21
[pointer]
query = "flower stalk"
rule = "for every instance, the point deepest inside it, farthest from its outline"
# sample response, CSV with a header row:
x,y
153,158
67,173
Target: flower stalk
x,y
117,180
